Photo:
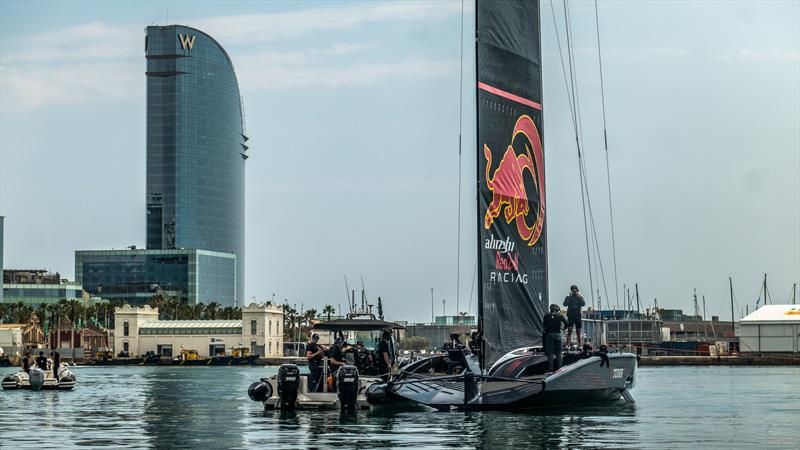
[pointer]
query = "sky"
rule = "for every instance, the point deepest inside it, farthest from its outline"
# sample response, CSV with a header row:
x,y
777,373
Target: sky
x,y
352,110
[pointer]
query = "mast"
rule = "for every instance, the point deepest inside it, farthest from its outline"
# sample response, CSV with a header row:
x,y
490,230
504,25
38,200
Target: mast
x,y
733,323
637,299
694,297
479,160
765,289
794,293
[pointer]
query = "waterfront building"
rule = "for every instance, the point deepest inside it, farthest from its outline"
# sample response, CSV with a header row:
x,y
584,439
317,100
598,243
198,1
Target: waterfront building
x,y
196,151
134,276
771,328
138,331
34,287
455,320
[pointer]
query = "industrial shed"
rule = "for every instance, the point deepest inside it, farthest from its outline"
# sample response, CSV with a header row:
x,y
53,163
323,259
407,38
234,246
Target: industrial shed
x,y
771,328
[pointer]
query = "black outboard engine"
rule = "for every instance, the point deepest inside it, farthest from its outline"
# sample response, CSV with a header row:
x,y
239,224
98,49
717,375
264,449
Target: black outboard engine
x,y
288,384
259,391
347,386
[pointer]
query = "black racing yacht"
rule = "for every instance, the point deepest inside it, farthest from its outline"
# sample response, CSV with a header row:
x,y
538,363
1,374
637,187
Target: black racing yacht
x,y
507,368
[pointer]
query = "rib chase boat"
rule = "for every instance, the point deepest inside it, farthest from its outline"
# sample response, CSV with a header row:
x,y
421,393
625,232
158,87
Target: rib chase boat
x,y
37,379
506,368
289,388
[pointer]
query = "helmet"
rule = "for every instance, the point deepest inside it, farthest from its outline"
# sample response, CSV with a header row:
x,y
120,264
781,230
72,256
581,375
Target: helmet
x,y
555,308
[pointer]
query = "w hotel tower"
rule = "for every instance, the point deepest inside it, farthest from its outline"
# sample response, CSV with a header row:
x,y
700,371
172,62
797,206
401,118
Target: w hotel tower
x,y
196,152
196,147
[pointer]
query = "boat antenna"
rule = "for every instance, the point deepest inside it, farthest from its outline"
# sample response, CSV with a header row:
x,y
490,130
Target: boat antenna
x,y
733,321
605,143
346,290
460,123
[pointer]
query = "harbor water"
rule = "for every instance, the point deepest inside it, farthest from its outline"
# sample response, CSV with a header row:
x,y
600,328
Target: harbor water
x,y
208,407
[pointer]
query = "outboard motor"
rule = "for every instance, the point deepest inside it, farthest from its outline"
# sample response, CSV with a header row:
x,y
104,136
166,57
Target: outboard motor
x,y
347,386
288,384
259,391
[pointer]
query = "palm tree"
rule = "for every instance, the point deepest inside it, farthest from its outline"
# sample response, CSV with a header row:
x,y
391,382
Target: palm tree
x,y
74,312
211,310
328,309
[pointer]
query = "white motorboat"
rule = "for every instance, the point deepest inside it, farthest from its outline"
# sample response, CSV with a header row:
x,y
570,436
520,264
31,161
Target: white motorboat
x,y
288,389
37,378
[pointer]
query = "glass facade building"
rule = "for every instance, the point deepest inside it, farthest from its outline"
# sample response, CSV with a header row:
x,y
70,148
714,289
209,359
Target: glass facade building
x,y
190,276
196,152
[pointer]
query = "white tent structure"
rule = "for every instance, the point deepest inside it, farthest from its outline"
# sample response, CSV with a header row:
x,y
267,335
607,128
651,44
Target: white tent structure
x,y
771,328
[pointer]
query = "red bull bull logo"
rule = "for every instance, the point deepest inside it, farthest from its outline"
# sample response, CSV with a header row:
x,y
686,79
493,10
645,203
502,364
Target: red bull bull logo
x,y
507,184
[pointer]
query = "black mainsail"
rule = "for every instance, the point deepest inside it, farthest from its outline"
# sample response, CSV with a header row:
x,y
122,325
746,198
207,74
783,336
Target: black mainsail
x,y
511,190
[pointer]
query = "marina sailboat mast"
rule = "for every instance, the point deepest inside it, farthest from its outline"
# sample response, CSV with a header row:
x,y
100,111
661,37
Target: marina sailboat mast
x,y
512,243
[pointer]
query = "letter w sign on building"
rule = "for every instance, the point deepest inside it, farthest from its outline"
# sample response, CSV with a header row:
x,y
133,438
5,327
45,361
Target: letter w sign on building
x,y
186,41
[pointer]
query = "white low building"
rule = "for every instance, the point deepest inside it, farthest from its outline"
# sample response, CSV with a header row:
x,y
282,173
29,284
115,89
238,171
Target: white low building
x,y
138,331
771,328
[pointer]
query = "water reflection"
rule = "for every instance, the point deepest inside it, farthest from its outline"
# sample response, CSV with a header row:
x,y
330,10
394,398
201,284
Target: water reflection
x,y
199,408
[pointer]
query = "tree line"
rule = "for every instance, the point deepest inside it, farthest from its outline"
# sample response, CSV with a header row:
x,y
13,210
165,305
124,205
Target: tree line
x,y
66,314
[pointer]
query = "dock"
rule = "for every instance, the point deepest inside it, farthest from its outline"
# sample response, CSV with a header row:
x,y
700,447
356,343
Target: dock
x,y
740,360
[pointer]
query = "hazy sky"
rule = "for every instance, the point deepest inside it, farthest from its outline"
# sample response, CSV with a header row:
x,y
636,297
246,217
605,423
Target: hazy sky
x,y
353,114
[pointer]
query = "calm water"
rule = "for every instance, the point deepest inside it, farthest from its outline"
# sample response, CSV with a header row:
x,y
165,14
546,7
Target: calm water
x,y
182,407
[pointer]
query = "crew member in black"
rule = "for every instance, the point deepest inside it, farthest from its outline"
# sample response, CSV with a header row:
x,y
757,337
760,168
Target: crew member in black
x,y
453,344
552,336
362,357
336,355
56,362
41,361
574,302
384,355
314,356
26,362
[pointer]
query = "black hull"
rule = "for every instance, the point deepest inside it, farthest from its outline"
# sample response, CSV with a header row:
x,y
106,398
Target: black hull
x,y
587,380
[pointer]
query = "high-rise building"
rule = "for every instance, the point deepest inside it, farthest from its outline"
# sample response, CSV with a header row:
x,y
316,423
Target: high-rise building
x,y
196,152
196,145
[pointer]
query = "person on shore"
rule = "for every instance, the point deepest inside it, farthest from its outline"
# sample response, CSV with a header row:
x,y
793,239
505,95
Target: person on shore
x,y
574,302
56,362
384,356
41,361
26,362
314,354
553,322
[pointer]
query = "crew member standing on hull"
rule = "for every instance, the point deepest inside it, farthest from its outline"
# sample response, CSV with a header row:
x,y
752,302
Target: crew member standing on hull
x,y
384,356
574,302
314,356
553,322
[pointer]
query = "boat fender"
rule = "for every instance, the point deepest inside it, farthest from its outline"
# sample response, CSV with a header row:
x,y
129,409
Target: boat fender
x,y
11,382
376,393
259,391
69,378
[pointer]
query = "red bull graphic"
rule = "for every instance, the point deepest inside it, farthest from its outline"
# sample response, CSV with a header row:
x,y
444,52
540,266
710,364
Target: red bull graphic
x,y
508,185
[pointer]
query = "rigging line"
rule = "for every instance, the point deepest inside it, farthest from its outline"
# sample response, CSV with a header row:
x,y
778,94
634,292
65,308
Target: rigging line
x,y
578,141
570,97
472,289
583,161
605,143
460,124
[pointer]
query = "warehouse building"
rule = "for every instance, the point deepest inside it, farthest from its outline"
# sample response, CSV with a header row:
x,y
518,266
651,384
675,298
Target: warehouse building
x,y
771,328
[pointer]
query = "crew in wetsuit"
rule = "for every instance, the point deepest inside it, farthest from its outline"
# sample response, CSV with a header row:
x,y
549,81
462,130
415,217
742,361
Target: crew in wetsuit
x,y
453,344
384,355
362,357
314,356
574,302
56,362
552,336
336,355
41,361
26,362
